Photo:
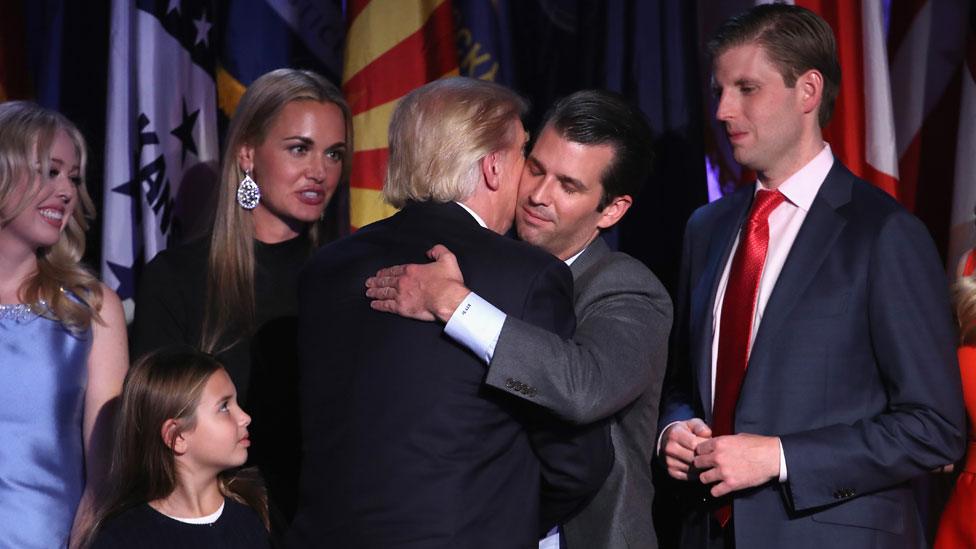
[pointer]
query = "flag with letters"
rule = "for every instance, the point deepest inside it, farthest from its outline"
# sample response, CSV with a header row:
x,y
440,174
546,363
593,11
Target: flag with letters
x,y
161,134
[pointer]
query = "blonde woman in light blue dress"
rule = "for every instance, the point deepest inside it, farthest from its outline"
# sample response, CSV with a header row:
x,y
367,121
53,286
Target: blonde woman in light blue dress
x,y
63,352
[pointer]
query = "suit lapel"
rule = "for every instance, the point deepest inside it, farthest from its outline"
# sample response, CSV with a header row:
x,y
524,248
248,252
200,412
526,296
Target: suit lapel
x,y
812,245
725,229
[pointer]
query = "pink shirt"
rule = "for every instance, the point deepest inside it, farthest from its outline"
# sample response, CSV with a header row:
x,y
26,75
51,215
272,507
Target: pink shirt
x,y
784,224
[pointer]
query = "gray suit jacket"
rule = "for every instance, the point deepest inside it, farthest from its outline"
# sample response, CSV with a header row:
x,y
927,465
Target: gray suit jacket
x,y
613,366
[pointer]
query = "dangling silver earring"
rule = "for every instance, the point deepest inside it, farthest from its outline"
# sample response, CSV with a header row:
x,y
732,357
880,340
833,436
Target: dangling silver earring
x,y
248,193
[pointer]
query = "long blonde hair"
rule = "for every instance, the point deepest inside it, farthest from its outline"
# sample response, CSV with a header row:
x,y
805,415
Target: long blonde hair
x,y
964,299
61,288
230,268
162,385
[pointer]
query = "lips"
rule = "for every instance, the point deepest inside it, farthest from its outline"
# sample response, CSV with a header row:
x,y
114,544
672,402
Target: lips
x,y
245,441
535,216
735,136
54,215
313,196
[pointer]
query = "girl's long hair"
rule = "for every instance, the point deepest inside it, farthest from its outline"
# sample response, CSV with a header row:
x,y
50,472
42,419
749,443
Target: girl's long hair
x,y
165,384
229,307
61,289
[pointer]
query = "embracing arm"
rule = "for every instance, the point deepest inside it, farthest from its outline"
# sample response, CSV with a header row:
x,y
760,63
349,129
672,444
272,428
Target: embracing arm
x,y
574,460
913,340
618,351
107,365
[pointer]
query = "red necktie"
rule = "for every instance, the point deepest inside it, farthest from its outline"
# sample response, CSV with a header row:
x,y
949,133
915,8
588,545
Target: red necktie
x,y
738,311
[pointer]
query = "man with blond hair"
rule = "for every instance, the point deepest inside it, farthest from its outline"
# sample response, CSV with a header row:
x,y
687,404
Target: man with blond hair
x,y
405,446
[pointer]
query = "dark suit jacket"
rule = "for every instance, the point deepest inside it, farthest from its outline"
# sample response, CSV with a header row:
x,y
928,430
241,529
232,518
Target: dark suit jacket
x,y
404,444
613,367
853,366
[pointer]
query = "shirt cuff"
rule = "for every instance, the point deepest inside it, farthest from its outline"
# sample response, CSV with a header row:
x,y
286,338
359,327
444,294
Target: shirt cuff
x,y
476,324
660,437
782,462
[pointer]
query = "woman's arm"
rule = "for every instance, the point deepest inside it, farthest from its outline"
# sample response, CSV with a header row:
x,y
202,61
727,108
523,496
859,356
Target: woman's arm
x,y
107,365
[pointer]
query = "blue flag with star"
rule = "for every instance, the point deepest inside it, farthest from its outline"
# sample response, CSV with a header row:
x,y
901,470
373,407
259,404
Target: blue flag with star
x,y
161,141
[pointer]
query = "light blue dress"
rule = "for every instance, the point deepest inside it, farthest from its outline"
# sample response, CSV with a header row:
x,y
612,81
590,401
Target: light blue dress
x,y
43,368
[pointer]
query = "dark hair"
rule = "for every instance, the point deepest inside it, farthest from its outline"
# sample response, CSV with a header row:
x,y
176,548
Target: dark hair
x,y
600,117
795,39
165,384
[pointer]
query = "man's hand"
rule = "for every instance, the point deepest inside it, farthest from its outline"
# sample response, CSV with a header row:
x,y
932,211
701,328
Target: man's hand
x,y
678,444
736,462
423,292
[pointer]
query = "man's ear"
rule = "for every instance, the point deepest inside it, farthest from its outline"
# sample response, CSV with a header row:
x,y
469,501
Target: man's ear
x,y
245,158
614,211
172,437
809,86
490,167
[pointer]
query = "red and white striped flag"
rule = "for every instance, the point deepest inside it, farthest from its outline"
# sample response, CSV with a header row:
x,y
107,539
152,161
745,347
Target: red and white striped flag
x,y
932,93
861,132
962,230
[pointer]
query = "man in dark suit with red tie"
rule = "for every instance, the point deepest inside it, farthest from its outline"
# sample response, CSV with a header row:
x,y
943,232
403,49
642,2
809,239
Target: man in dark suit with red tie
x,y
813,371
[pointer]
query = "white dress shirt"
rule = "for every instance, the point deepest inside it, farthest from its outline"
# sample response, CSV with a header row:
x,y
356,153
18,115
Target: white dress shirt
x,y
784,224
477,324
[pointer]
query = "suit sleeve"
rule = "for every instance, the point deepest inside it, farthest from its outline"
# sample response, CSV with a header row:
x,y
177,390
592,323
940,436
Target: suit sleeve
x,y
618,351
913,342
574,461
678,389
160,316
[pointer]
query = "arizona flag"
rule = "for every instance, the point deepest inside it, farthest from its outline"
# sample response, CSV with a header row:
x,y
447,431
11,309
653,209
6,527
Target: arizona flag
x,y
392,47
161,132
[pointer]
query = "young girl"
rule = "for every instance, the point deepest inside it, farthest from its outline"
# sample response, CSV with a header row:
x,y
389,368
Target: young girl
x,y
179,433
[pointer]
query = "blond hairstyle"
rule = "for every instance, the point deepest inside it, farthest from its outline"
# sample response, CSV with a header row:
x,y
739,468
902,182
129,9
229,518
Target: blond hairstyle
x,y
440,132
230,269
73,296
162,385
964,298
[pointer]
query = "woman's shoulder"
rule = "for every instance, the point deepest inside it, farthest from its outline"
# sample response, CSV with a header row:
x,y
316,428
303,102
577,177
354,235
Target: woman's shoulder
x,y
967,356
186,255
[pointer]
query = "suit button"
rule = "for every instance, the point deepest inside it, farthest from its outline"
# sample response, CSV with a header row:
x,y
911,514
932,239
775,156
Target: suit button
x,y
838,494
509,383
531,392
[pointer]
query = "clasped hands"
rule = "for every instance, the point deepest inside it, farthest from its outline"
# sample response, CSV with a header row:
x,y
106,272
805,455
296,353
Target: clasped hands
x,y
727,463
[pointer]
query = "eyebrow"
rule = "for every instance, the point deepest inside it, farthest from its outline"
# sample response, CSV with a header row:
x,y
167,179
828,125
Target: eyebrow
x,y
59,162
746,81
564,179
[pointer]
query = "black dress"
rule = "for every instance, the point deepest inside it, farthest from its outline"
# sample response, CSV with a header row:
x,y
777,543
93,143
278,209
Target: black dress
x,y
169,310
238,527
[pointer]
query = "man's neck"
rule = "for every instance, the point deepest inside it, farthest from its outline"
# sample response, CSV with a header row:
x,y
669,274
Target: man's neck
x,y
772,179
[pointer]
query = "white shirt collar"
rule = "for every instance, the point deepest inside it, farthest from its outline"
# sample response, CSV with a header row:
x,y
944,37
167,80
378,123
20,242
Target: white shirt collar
x,y
802,187
575,257
474,215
